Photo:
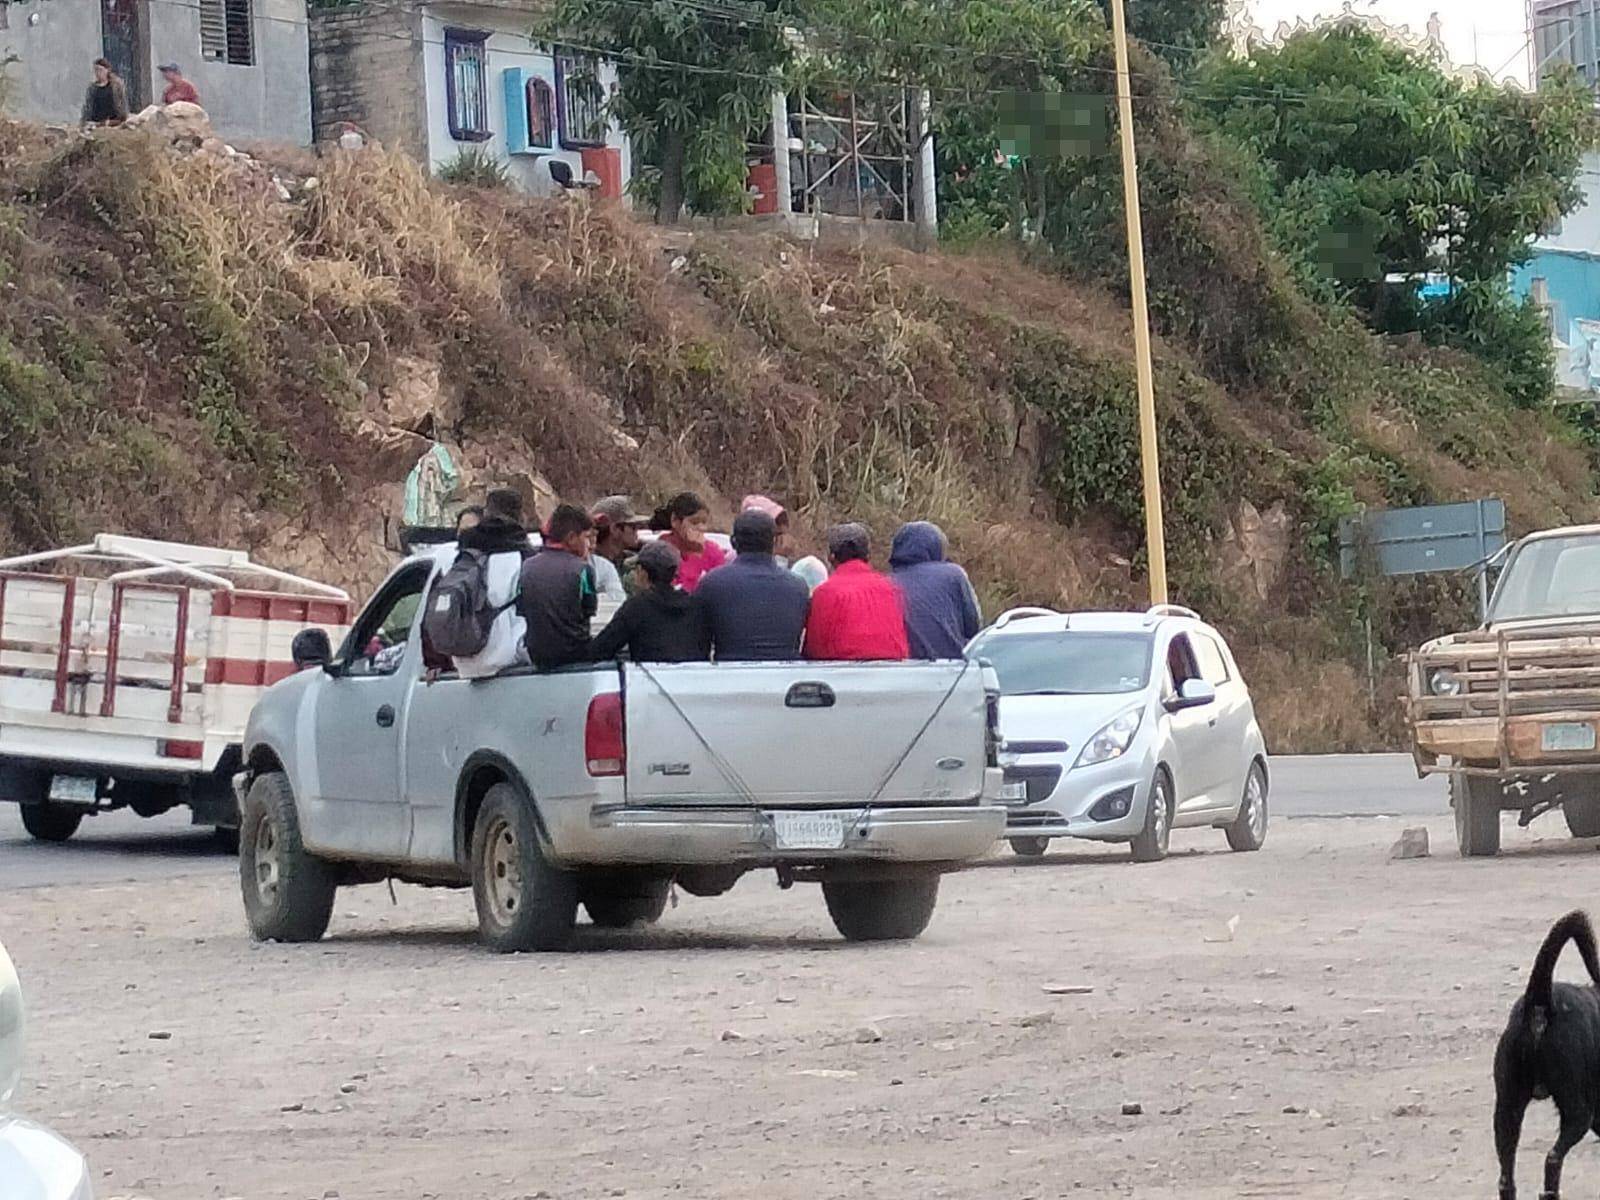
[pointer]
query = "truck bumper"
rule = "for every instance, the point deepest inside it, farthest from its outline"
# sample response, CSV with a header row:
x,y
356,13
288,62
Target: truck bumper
x,y
1480,745
743,836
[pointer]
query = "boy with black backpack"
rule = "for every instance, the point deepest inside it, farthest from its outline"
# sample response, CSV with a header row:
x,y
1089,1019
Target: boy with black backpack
x,y
472,607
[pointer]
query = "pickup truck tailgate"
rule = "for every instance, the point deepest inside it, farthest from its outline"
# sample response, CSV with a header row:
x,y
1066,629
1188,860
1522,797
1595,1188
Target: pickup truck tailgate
x,y
805,734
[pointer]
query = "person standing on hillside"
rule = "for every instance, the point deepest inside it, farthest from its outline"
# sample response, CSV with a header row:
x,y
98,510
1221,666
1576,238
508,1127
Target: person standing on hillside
x,y
658,623
106,101
558,597
857,615
752,610
616,538
682,523
178,88
942,613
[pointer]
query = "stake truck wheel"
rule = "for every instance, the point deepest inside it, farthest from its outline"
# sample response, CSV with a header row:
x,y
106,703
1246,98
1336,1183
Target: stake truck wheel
x,y
51,822
1476,801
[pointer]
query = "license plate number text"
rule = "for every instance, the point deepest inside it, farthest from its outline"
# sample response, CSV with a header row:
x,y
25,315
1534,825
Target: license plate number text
x,y
810,830
73,789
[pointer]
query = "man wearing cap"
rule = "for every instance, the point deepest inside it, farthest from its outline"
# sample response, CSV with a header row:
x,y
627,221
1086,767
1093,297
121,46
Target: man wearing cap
x,y
616,528
658,623
858,615
178,88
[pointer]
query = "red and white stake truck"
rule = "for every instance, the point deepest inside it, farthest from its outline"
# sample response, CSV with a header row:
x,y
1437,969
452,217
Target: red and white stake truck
x,y
128,668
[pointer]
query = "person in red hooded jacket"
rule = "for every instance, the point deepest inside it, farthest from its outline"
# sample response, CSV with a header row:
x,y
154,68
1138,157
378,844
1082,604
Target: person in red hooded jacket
x,y
858,614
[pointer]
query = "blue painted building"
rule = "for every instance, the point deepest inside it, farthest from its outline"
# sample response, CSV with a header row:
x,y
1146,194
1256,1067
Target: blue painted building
x,y
1564,275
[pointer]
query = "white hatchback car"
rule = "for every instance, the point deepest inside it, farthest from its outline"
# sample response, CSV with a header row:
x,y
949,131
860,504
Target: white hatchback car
x,y
1121,727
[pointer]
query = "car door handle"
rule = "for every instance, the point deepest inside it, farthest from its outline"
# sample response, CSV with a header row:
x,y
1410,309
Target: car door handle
x,y
386,716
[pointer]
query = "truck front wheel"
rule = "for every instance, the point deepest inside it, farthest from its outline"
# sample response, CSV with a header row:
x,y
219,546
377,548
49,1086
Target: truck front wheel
x,y
51,822
524,901
288,893
881,910
1476,800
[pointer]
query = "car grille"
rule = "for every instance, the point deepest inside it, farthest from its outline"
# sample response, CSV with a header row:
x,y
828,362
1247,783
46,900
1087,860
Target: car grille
x,y
1041,781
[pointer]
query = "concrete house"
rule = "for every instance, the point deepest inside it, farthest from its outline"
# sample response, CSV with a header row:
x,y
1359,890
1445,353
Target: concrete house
x,y
248,58
437,79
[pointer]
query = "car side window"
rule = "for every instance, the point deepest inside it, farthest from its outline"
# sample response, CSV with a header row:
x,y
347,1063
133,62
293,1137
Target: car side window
x,y
378,643
1213,664
1181,664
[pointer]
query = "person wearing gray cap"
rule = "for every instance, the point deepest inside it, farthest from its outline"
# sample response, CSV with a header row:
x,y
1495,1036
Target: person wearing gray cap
x,y
752,610
616,531
178,88
658,623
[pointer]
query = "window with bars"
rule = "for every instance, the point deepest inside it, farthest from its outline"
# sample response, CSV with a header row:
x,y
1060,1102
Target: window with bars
x,y
466,84
227,33
581,101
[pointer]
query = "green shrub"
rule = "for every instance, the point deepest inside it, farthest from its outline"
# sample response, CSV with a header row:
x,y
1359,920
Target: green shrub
x,y
473,166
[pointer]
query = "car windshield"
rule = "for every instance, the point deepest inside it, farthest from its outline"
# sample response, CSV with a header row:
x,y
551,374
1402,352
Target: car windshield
x,y
1550,577
1067,663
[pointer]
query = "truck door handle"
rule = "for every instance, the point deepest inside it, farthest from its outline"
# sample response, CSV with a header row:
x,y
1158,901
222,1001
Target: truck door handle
x,y
809,695
386,716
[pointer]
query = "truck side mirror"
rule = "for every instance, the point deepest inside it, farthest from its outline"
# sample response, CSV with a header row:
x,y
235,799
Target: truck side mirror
x,y
311,648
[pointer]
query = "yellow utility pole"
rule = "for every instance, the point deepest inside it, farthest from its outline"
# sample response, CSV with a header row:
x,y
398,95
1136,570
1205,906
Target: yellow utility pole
x,y
1149,453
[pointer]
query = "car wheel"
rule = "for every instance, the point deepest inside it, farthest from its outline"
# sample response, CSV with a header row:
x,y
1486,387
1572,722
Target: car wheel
x,y
524,902
881,910
616,900
1249,828
1151,843
1476,800
1030,847
51,822
288,892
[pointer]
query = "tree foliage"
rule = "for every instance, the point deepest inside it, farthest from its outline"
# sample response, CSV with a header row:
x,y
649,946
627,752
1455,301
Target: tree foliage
x,y
694,84
1179,31
1373,162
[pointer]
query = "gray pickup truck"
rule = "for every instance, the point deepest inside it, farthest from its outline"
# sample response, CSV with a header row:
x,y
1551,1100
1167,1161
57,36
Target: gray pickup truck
x,y
602,786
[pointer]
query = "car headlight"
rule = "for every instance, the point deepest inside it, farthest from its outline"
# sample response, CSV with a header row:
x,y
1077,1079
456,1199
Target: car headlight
x,y
1113,740
1444,682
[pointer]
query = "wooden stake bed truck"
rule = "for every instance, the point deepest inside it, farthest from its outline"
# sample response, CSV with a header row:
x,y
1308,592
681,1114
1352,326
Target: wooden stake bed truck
x,y
1511,710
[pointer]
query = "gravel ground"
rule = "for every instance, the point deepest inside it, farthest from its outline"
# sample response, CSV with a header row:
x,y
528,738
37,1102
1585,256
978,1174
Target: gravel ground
x,y
1335,1042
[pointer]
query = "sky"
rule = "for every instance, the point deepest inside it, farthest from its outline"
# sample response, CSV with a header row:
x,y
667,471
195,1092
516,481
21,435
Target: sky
x,y
1491,33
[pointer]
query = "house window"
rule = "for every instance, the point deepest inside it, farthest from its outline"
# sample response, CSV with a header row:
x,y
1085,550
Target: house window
x,y
466,91
581,101
227,33
541,103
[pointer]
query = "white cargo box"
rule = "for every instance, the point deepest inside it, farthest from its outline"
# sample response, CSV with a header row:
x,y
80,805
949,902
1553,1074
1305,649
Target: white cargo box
x,y
145,654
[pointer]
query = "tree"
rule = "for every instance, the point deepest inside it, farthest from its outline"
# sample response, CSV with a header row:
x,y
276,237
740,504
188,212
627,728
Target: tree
x,y
1179,31
694,84
1374,162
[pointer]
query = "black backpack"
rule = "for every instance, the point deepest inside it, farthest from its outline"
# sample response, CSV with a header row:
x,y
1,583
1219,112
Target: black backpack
x,y
459,616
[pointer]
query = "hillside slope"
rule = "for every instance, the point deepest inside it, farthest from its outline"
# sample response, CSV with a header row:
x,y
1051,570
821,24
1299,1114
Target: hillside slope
x,y
186,354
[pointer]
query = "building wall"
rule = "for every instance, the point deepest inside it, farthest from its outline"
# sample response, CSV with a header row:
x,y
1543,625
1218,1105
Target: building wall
x,y
509,45
1568,31
365,68
55,41
58,40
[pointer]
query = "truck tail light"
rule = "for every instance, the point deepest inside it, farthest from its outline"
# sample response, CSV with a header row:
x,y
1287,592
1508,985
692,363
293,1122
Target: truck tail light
x,y
175,749
603,744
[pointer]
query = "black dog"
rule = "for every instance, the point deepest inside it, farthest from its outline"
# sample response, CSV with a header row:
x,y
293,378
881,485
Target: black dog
x,y
1550,1050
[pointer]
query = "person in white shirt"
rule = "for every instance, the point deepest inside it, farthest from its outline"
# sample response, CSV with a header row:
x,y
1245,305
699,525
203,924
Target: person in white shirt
x,y
502,536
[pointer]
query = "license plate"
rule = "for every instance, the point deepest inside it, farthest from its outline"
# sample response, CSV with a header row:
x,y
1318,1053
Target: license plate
x,y
810,830
1568,736
1014,791
74,789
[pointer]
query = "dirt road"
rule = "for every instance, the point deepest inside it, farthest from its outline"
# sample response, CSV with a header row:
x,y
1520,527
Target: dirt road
x,y
1336,1045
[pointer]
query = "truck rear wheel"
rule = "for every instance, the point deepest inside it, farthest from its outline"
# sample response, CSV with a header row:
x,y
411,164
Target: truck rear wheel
x,y
881,910
524,902
617,899
1476,800
51,822
288,892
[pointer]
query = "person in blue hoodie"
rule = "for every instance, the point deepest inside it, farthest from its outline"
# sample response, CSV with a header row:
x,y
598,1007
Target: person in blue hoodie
x,y
942,613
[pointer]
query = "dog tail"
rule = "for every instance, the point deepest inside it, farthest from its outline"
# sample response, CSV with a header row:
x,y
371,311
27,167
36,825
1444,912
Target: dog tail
x,y
1574,927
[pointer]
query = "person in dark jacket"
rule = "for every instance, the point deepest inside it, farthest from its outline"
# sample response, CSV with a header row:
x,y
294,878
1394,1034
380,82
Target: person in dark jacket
x,y
558,597
658,622
752,610
106,100
942,613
